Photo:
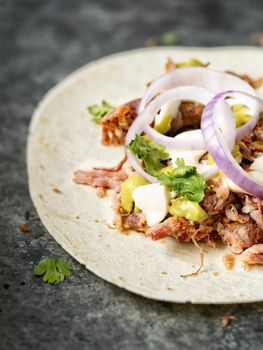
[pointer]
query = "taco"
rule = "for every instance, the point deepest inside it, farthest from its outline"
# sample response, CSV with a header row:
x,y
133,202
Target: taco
x,y
177,165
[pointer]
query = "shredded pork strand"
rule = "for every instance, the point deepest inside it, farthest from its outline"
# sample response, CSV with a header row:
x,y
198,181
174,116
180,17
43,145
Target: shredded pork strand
x,y
253,255
115,168
239,236
202,256
100,178
134,221
103,178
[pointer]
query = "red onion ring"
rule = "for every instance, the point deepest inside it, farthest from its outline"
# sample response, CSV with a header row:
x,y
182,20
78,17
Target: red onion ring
x,y
194,137
205,77
145,118
217,147
208,78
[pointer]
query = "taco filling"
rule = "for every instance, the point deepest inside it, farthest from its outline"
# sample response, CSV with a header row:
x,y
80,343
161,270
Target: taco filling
x,y
193,164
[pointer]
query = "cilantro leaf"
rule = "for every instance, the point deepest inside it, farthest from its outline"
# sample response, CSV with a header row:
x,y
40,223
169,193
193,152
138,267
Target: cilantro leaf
x,y
99,112
185,181
151,153
169,38
54,270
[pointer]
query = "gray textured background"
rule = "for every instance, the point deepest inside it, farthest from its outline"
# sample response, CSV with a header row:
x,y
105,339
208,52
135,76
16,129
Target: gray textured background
x,y
41,42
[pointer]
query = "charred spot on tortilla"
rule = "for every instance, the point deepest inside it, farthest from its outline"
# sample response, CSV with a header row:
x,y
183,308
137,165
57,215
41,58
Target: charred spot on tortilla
x,y
215,273
228,261
40,196
57,190
170,289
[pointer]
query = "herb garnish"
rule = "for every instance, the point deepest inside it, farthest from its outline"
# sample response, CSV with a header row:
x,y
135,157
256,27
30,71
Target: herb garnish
x,y
54,270
185,181
169,38
99,111
151,153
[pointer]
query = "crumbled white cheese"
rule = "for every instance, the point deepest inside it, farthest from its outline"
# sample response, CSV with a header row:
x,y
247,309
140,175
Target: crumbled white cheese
x,y
152,200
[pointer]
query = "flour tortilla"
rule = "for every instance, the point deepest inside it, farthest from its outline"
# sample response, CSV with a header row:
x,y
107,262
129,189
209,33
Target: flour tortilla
x,y
62,139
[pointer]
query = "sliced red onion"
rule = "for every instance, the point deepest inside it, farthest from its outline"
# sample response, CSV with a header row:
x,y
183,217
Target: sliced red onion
x,y
208,78
207,174
213,80
145,118
246,129
218,148
194,137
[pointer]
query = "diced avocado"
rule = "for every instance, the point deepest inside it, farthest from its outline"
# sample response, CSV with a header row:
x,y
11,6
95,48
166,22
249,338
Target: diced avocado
x,y
187,209
167,169
147,138
241,117
163,120
164,124
137,210
237,154
210,160
192,62
127,187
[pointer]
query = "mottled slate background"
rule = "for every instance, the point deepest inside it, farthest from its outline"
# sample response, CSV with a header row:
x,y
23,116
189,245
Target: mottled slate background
x,y
41,42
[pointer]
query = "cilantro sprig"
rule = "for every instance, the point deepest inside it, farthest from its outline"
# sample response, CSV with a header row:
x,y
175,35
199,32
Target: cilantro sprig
x,y
151,153
185,181
99,111
53,270
169,38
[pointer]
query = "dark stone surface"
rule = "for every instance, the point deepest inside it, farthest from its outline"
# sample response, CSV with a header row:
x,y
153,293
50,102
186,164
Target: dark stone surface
x,y
41,42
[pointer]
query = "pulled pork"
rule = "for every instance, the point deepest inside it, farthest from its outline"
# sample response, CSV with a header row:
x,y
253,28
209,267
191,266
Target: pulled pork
x,y
239,236
216,198
100,178
189,118
253,255
134,221
123,221
116,124
103,178
181,230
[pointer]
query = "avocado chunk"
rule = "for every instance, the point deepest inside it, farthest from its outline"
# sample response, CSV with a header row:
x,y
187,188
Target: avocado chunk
x,y
162,121
164,125
241,117
127,187
187,209
192,62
